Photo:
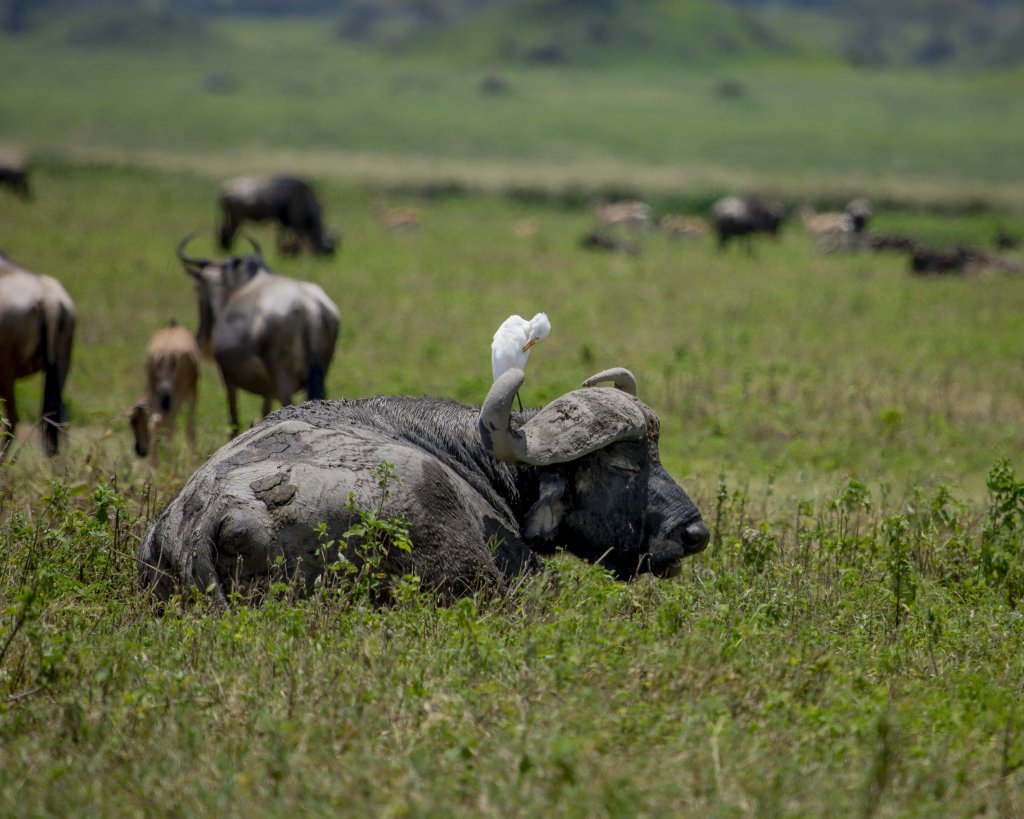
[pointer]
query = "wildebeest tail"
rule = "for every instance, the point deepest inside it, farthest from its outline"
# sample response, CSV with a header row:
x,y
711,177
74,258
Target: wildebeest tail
x,y
54,372
316,370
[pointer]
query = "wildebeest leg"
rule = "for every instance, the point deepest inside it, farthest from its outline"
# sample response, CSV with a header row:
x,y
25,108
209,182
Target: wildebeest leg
x,y
10,412
190,426
283,390
268,404
232,408
228,228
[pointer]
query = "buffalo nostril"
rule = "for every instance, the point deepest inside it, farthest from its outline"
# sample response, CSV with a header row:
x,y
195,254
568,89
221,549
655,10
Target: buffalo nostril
x,y
696,536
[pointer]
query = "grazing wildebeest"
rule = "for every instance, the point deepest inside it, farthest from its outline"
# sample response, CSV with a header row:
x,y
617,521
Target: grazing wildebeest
x,y
483,491
735,216
269,335
172,379
37,325
14,174
287,200
959,260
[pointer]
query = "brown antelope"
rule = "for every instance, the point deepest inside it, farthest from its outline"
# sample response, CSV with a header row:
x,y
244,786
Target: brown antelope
x,y
37,326
396,218
172,378
826,223
684,227
630,213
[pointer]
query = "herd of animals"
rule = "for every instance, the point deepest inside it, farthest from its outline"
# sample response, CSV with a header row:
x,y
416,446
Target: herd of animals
x,y
740,219
483,490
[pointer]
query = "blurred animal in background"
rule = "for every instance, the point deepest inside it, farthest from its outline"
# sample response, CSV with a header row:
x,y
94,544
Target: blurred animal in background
x,y
37,327
838,230
172,380
742,217
628,213
287,200
824,224
270,335
405,218
1005,240
960,260
684,227
859,212
513,340
603,240
14,175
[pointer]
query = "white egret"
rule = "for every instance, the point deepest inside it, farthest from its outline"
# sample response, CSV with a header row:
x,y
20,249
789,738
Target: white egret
x,y
513,341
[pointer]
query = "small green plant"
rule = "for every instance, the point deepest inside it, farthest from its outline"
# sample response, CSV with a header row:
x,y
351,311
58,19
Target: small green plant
x,y
899,567
1002,533
362,553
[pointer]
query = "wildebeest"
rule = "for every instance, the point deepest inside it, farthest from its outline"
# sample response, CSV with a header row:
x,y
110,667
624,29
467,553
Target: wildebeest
x,y
172,378
483,492
269,335
959,260
736,216
287,200
14,174
37,326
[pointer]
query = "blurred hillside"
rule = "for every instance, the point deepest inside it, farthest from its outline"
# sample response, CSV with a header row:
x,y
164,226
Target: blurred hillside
x,y
963,33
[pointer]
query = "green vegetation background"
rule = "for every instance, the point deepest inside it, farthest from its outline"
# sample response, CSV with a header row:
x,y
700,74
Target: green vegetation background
x,y
848,645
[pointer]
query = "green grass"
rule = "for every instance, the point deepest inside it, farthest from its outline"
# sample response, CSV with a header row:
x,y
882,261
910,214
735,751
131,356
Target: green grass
x,y
847,646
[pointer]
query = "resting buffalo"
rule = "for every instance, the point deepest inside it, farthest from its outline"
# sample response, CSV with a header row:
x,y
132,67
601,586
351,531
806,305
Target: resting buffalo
x,y
483,490
734,216
284,199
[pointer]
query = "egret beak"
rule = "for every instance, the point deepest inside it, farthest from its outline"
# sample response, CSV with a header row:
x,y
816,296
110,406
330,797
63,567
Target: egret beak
x,y
530,343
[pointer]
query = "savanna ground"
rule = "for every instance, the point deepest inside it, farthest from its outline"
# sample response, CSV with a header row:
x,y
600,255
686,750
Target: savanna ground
x,y
849,644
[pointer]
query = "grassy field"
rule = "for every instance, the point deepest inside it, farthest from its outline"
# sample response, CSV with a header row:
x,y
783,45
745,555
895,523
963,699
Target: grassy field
x,y
245,92
849,644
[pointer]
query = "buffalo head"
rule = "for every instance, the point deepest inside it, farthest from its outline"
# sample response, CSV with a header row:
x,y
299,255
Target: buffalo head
x,y
603,493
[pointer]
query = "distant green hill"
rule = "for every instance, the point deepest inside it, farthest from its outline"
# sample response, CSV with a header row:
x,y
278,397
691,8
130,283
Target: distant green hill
x,y
582,32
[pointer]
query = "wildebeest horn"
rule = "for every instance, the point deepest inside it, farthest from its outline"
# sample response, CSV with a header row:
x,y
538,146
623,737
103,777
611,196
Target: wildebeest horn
x,y
255,245
622,378
581,422
188,261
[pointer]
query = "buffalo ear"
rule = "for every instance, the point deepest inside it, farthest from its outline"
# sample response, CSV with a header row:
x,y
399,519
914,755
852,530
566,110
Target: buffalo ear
x,y
546,515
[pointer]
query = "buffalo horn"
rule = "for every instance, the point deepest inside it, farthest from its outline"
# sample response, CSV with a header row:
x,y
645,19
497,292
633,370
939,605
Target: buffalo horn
x,y
495,424
568,428
622,378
